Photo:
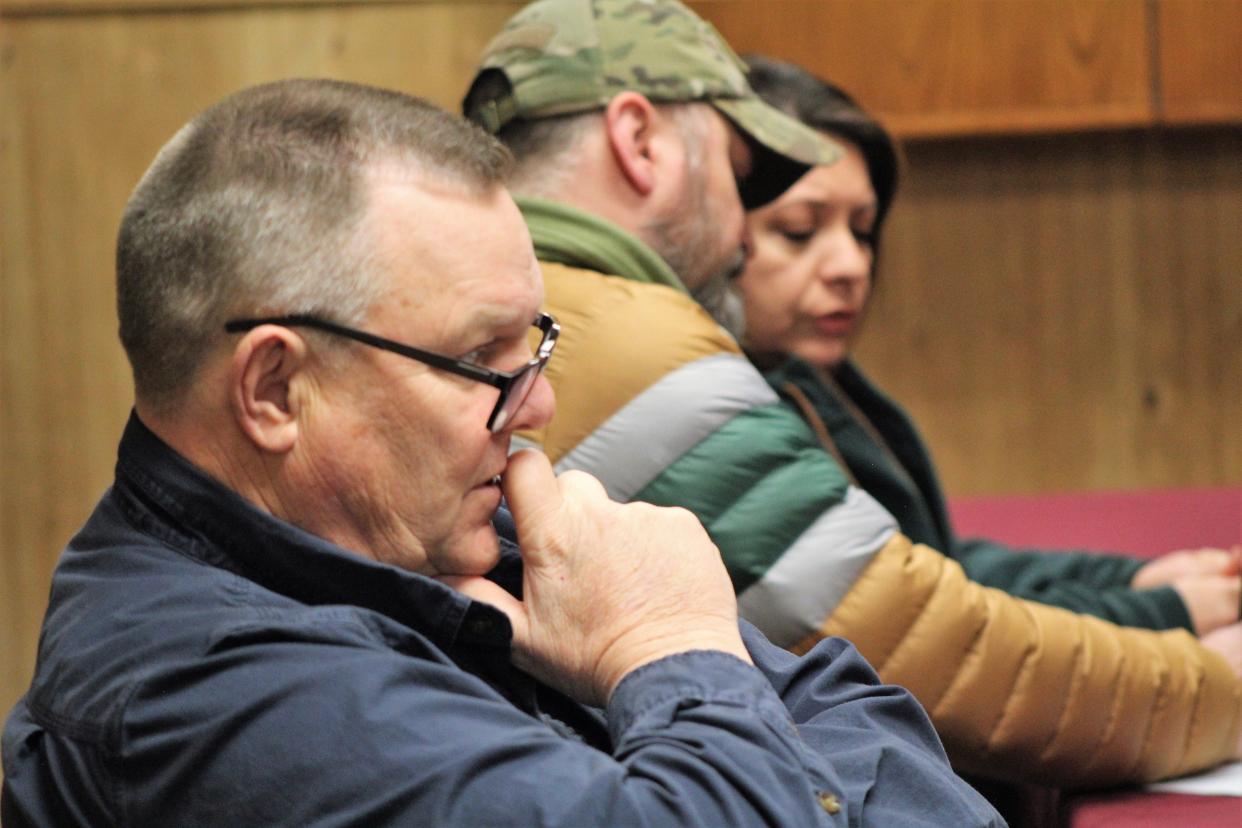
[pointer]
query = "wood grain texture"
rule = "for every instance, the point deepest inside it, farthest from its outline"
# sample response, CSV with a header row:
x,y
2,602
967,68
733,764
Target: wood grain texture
x,y
1065,313
46,8
1200,45
939,67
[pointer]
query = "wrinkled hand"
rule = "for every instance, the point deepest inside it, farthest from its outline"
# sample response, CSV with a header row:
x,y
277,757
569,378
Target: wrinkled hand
x,y
1209,582
607,587
1187,563
1212,600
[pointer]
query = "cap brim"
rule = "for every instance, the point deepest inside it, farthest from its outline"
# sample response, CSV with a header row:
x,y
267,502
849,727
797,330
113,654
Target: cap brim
x,y
784,148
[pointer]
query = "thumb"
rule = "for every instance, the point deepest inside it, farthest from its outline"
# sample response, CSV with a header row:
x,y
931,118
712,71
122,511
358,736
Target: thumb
x,y
487,592
531,490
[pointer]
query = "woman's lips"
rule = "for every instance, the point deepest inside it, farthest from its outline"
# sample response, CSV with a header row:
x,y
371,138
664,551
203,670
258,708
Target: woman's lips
x,y
840,323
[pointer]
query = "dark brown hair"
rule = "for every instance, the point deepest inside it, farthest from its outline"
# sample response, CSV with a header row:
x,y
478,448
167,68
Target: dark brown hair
x,y
826,107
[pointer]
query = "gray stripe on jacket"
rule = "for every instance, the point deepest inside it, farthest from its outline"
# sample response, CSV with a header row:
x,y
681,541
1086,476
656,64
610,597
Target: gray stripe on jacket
x,y
800,591
650,432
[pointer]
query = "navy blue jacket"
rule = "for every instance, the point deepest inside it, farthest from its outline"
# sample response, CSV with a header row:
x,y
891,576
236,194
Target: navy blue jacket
x,y
203,663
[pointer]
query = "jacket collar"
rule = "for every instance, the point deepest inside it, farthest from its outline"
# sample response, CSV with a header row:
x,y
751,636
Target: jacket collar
x,y
573,237
168,497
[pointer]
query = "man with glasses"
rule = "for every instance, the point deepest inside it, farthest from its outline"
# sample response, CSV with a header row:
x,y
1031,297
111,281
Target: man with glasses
x,y
638,142
300,603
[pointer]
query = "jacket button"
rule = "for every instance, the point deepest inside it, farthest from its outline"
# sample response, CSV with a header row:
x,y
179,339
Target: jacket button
x,y
830,803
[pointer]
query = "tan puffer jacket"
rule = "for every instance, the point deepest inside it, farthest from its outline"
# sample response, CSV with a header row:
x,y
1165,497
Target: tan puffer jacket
x,y
1049,695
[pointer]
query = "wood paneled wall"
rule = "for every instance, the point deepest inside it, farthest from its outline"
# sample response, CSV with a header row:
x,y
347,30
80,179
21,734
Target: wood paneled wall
x,y
1198,67
1059,313
953,67
1064,313
936,67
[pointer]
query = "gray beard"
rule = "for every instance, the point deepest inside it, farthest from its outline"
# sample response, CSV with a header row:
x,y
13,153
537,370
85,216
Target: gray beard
x,y
720,298
684,242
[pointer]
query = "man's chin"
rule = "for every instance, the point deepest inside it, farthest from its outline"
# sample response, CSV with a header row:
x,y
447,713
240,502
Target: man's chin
x,y
478,552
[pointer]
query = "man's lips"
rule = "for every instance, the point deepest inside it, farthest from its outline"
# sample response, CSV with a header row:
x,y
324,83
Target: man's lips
x,y
498,463
494,480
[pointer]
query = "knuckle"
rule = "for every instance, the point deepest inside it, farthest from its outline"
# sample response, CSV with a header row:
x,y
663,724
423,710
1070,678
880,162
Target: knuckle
x,y
580,481
573,477
684,515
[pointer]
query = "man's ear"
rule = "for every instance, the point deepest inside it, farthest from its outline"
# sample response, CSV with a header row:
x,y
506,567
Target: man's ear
x,y
265,362
632,123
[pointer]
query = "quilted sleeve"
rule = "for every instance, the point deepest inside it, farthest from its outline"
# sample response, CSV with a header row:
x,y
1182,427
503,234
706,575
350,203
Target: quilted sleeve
x,y
1037,693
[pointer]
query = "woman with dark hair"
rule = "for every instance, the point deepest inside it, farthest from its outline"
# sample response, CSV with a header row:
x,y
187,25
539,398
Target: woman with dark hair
x,y
806,291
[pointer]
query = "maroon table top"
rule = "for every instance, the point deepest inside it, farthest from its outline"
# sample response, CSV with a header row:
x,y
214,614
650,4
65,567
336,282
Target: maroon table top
x,y
1031,806
1141,809
1140,523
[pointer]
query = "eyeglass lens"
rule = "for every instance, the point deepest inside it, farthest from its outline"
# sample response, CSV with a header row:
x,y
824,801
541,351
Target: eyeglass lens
x,y
518,392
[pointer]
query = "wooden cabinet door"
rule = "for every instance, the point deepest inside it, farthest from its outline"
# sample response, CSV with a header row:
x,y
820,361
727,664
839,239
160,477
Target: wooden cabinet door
x,y
1200,65
939,67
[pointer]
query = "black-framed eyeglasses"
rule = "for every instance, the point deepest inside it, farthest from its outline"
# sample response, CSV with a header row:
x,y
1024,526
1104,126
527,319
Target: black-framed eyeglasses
x,y
514,385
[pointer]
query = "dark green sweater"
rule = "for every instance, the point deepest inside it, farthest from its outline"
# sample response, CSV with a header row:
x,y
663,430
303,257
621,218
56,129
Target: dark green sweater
x,y
880,446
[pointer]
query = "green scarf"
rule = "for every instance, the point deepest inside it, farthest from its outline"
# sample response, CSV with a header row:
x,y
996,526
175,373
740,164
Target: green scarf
x,y
569,236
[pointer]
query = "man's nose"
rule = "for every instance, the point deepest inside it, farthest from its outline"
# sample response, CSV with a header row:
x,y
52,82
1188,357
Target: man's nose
x,y
537,409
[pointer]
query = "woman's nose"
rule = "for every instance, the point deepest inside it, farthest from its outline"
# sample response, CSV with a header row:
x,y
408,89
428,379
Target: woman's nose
x,y
846,259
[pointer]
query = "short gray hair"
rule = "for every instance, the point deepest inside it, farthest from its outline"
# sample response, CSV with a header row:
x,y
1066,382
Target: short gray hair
x,y
258,205
546,149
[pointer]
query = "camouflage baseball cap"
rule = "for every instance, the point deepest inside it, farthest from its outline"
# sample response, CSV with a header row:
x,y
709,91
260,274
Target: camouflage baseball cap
x,y
556,57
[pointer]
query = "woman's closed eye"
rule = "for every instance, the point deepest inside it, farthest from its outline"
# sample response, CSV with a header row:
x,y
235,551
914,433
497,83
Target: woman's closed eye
x,y
797,235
